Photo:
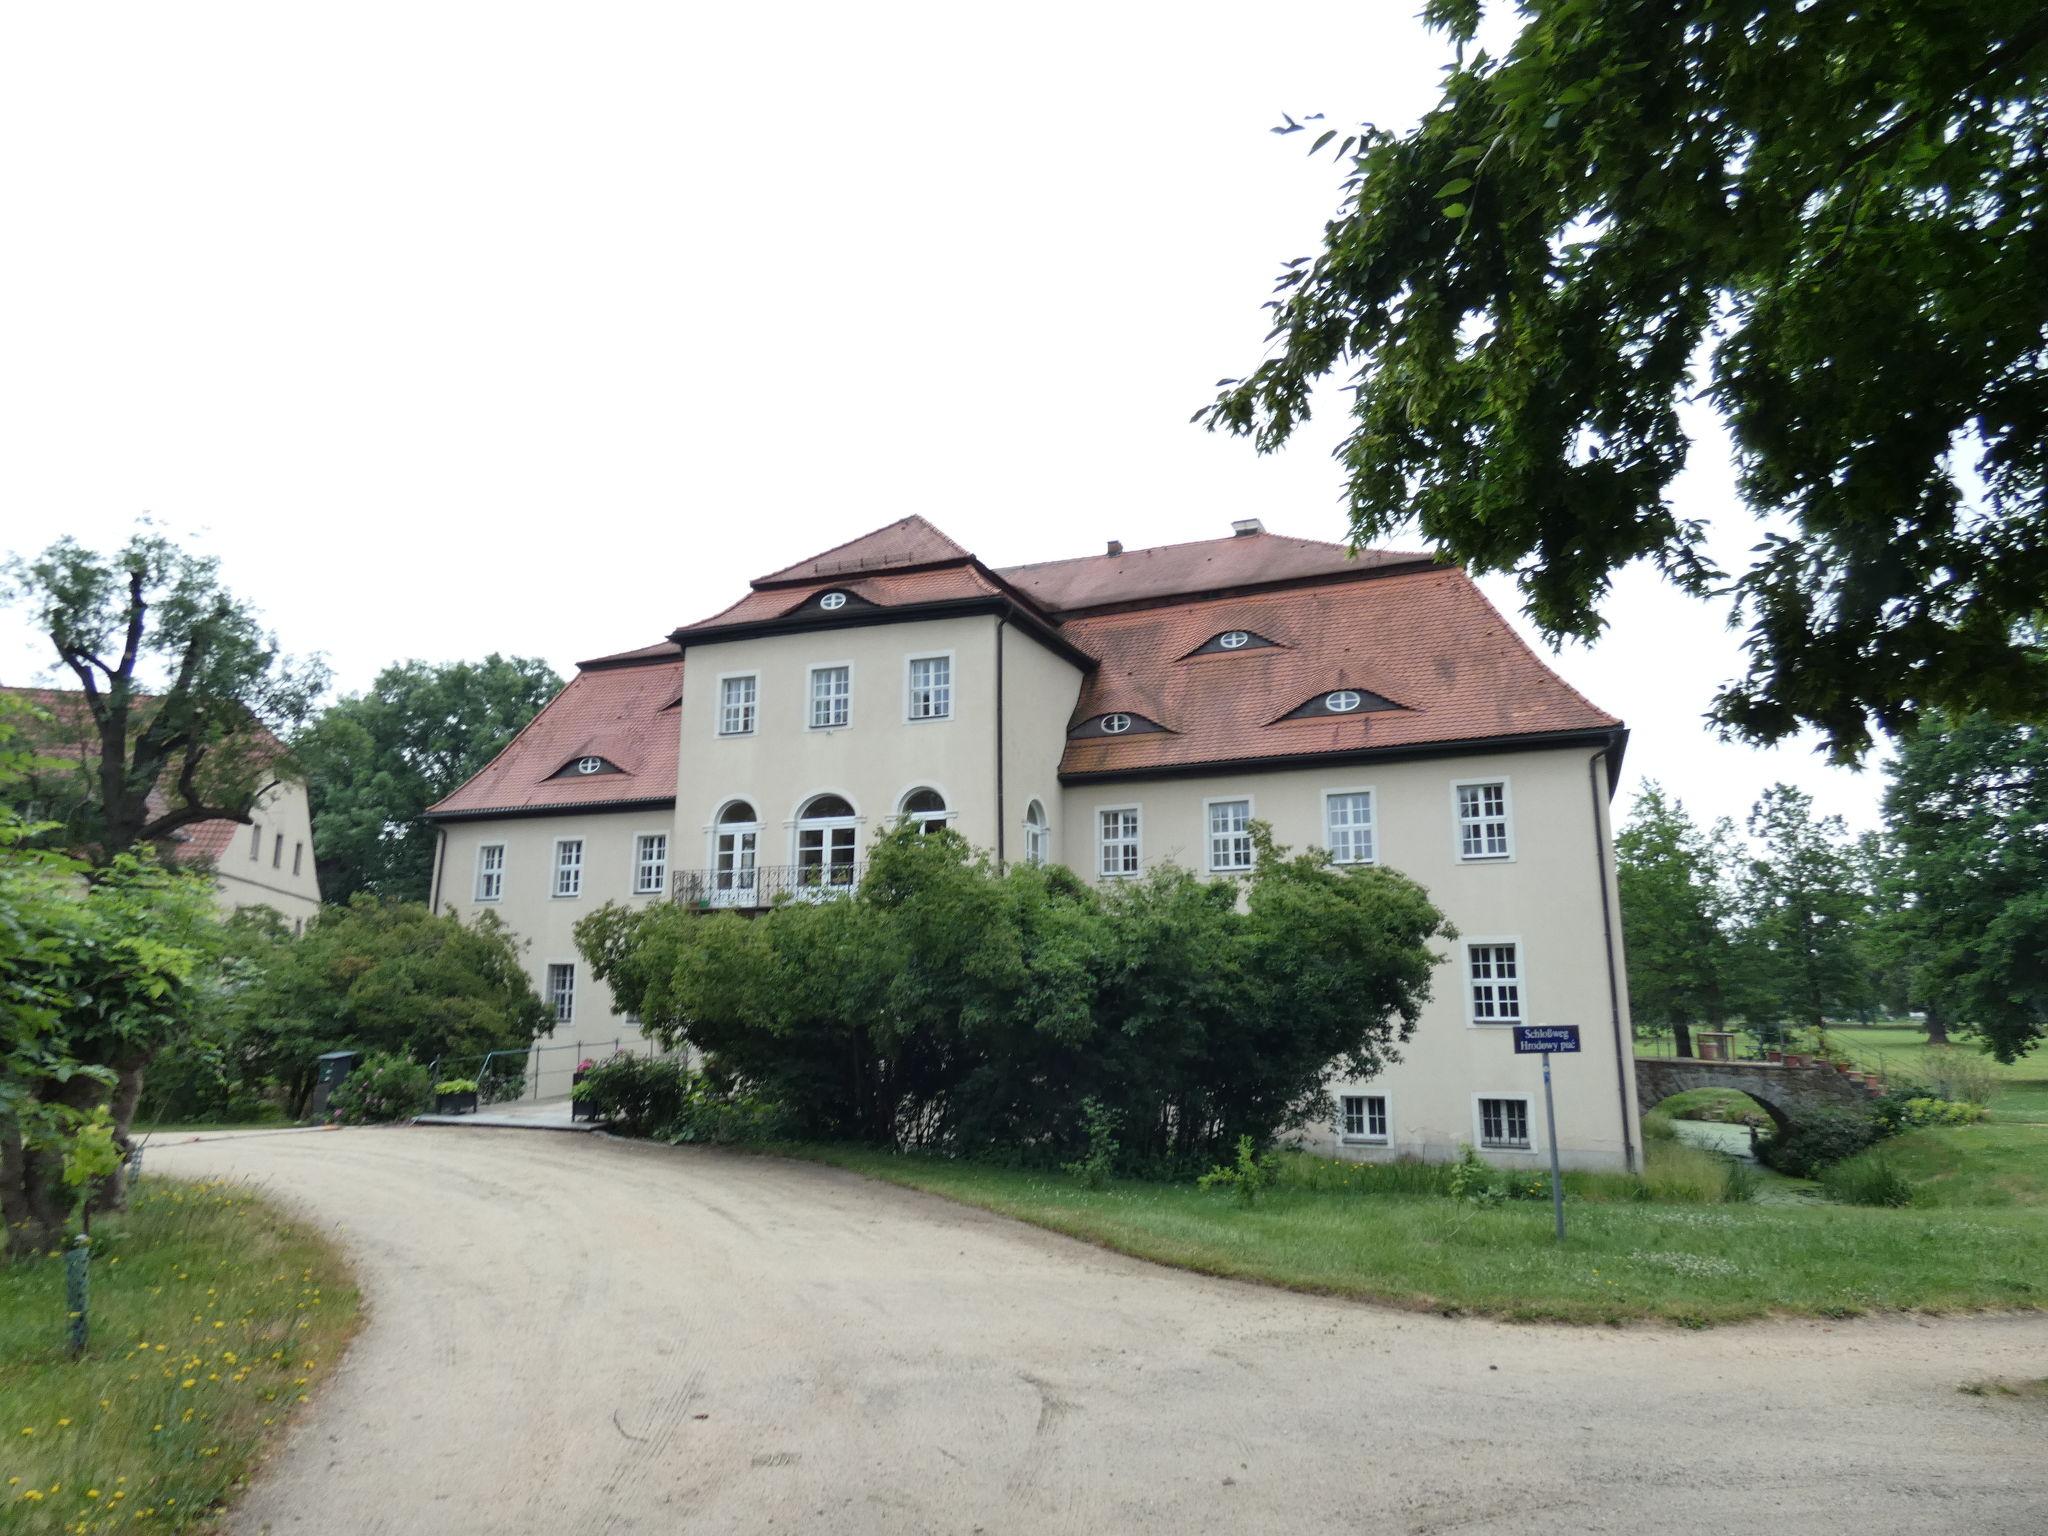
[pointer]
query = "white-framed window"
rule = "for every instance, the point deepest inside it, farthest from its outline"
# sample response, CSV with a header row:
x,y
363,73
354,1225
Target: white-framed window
x,y
831,697
1484,823
1037,835
1117,842
589,764
1115,725
827,835
562,992
650,863
568,866
1233,640
735,855
1363,1117
1493,971
832,600
926,807
1504,1124
1342,701
255,841
1230,838
1348,830
490,872
737,698
930,687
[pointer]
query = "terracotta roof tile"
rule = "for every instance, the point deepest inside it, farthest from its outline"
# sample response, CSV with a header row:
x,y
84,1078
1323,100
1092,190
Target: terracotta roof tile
x,y
1206,565
625,714
907,541
887,589
1425,639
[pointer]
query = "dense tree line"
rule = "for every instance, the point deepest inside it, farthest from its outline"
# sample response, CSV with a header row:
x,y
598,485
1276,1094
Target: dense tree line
x,y
1943,911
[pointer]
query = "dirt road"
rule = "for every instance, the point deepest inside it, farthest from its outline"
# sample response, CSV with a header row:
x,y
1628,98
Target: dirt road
x,y
571,1335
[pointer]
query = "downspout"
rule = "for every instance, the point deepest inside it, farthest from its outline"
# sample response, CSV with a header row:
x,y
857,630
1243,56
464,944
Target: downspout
x,y
440,856
1001,620
1621,1056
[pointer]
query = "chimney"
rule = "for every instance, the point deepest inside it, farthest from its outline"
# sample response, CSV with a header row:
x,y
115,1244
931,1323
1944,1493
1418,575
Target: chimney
x,y
1116,546
1245,527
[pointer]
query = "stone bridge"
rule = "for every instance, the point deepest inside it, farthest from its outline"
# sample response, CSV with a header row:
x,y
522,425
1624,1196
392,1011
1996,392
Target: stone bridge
x,y
1786,1093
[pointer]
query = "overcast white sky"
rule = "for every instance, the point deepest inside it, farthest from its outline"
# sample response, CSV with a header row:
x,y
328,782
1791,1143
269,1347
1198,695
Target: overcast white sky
x,y
540,329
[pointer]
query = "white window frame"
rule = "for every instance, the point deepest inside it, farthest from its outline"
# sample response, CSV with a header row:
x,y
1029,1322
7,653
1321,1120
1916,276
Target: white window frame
x,y
743,876
1136,841
1372,823
909,692
1210,835
1037,835
1528,1118
482,872
555,998
825,826
1367,1137
255,841
811,696
1466,980
752,706
558,868
1507,811
640,864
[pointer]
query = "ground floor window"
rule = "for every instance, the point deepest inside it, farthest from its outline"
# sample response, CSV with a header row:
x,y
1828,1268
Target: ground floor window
x,y
562,992
1365,1117
1504,1123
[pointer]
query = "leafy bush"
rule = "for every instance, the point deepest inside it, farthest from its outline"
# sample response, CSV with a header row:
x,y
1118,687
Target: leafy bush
x,y
384,1087
639,1095
1822,1138
950,1007
1093,1168
1950,1072
1243,1178
1658,1126
1902,1109
499,1087
456,1085
1867,1181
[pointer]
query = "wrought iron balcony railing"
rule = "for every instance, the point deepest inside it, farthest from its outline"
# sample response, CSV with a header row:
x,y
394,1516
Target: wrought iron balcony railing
x,y
749,890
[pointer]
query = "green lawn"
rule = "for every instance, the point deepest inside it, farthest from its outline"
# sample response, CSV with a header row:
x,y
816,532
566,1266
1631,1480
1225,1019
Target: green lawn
x,y
1343,1229
1977,1166
212,1319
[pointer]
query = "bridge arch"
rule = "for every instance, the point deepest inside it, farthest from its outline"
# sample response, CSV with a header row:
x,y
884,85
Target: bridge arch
x,y
1785,1093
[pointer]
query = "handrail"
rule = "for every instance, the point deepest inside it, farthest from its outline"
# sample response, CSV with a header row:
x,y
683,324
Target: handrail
x,y
764,885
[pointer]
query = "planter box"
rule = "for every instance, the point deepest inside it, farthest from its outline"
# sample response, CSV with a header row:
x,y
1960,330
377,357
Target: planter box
x,y
580,1109
455,1103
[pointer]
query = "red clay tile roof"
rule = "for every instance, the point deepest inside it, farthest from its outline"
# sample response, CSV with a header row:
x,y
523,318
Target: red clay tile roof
x,y
643,653
1426,639
885,589
625,714
1207,565
908,541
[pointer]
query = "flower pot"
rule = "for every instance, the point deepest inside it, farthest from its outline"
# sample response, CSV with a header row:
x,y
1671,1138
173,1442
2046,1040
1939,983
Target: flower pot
x,y
1795,1059
1842,1067
1774,1056
455,1103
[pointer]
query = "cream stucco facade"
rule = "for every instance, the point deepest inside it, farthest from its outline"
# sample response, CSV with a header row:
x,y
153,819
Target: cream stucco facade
x,y
269,863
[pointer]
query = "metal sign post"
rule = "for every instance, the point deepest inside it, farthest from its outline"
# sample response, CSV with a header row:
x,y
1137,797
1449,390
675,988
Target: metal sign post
x,y
1548,1040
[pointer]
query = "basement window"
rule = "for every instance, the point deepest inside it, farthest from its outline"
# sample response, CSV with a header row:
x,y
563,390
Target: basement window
x,y
1504,1124
1365,1118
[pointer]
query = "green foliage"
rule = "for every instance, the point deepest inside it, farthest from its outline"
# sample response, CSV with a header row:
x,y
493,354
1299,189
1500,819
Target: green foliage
x,y
1472,1178
1823,1137
1741,1183
1094,1166
383,1087
1244,1177
375,762
1806,911
390,977
1903,1109
1835,207
1679,915
499,1086
1964,811
456,1085
1867,1181
952,1007
639,1095
1950,1072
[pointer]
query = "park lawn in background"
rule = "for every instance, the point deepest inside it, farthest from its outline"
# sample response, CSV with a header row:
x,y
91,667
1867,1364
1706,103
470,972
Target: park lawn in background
x,y
1624,1259
1726,1105
213,1318
1970,1165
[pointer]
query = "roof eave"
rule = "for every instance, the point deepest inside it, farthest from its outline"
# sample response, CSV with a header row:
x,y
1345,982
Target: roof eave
x,y
1608,737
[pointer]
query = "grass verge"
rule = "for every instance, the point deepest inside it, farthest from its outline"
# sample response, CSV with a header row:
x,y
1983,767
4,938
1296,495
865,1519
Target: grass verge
x,y
212,1319
1975,1166
1383,1232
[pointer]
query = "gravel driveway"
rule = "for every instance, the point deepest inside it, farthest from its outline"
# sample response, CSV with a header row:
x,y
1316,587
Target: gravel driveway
x,y
570,1334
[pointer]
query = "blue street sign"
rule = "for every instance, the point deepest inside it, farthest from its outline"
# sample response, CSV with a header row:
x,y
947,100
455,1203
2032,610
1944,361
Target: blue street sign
x,y
1546,1039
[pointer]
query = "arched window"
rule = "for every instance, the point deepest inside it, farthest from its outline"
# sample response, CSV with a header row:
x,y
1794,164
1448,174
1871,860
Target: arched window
x,y
735,856
1037,835
926,807
826,834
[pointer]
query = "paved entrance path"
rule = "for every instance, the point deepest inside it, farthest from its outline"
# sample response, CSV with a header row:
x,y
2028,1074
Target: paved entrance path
x,y
570,1334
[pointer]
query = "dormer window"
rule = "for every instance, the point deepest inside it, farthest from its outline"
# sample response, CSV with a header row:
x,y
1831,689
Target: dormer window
x,y
1115,725
1116,722
1233,640
585,766
832,600
1342,702
589,764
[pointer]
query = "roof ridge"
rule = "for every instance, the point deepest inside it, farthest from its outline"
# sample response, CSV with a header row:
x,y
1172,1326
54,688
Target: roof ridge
x,y
921,522
1292,538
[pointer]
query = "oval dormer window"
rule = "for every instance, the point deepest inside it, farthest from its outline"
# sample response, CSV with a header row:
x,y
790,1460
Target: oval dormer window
x,y
1233,640
589,764
832,600
1115,725
1342,702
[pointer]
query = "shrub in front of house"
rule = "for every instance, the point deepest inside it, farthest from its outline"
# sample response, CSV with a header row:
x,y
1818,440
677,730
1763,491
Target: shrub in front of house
x,y
638,1095
383,1088
949,1006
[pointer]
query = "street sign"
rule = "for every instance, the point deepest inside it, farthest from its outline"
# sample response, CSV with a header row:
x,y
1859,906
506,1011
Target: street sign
x,y
1546,1039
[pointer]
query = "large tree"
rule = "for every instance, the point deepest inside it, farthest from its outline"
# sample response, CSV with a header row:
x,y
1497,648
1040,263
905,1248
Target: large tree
x,y
182,696
1841,208
1806,911
1967,816
1679,917
376,761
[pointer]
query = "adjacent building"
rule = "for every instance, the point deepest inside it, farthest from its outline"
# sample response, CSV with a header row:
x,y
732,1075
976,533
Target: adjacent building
x,y
1110,712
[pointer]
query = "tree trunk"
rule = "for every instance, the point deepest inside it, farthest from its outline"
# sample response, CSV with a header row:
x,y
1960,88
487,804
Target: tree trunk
x,y
1681,1035
29,1199
1937,1027
112,1195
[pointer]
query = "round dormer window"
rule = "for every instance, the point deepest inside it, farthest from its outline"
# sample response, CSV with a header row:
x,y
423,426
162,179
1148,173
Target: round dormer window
x,y
1234,640
832,600
589,764
1115,725
1342,702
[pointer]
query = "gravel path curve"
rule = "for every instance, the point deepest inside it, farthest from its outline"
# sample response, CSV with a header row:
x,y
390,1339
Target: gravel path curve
x,y
569,1334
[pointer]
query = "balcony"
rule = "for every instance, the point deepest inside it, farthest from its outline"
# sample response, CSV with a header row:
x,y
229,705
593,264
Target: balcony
x,y
751,890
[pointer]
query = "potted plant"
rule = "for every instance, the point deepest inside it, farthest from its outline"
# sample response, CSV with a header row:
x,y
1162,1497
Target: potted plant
x,y
581,1108
455,1096
1774,1055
